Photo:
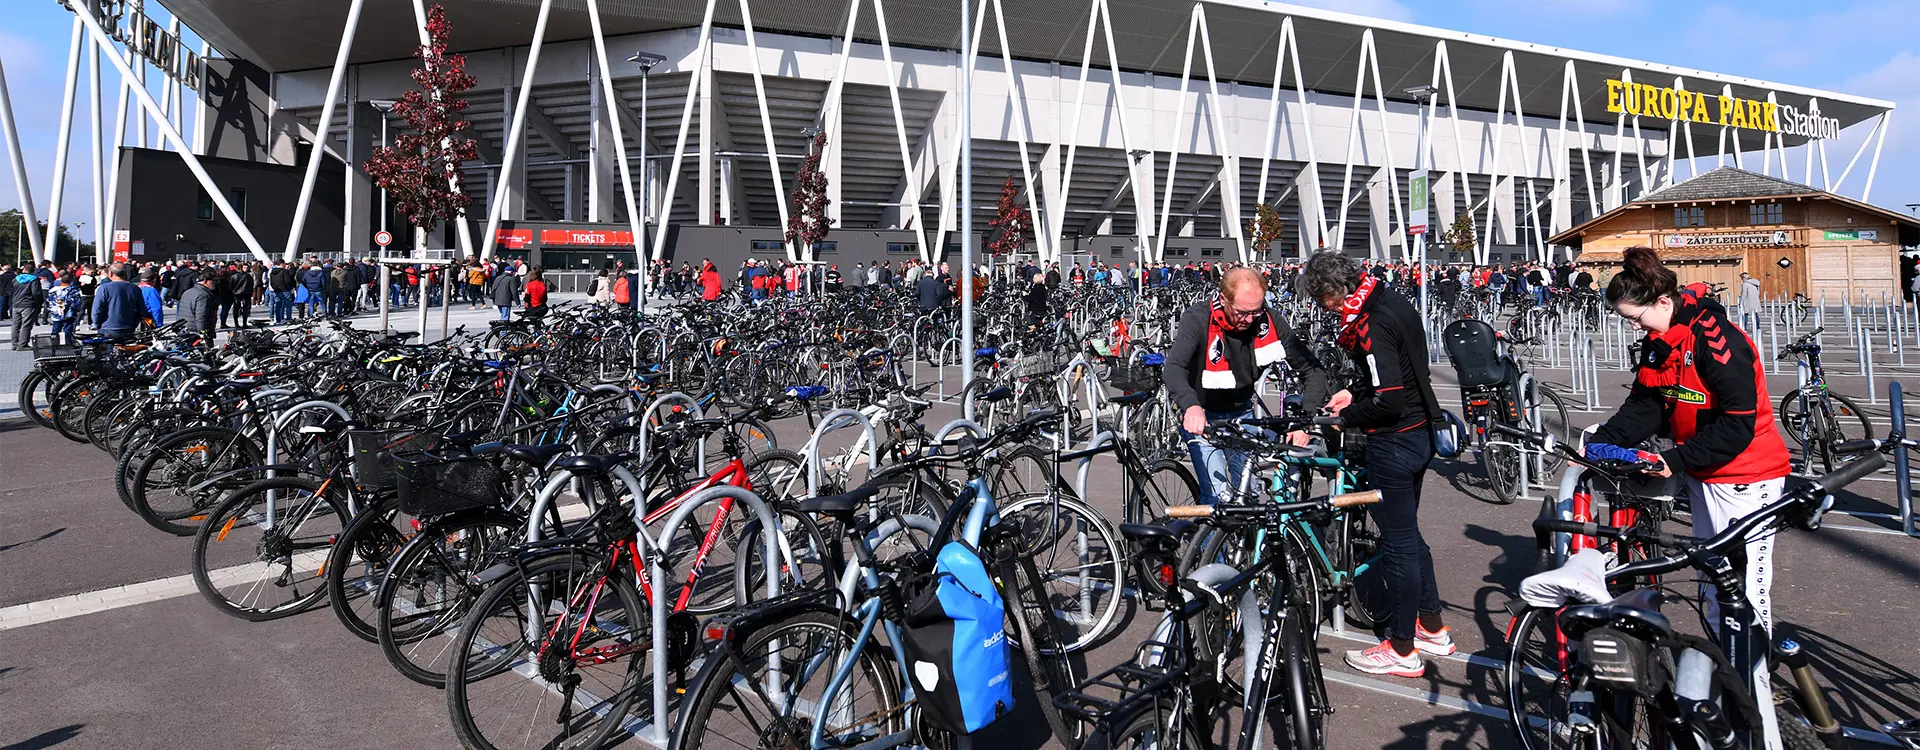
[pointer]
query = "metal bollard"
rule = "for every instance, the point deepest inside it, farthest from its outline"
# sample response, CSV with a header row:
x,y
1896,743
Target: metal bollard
x,y
1867,364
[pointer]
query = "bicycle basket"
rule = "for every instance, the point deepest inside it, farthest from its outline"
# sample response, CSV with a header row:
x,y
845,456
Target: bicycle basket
x,y
46,345
1134,377
372,452
432,484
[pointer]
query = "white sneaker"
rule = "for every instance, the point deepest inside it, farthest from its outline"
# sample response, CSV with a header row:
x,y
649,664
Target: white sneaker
x,y
1438,644
1382,659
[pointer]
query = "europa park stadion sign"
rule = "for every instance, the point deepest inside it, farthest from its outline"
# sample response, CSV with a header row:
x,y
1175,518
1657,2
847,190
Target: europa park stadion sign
x,y
1646,100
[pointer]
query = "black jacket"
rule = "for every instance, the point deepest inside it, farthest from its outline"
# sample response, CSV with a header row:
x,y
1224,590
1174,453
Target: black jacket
x,y
1394,390
1186,361
281,280
931,292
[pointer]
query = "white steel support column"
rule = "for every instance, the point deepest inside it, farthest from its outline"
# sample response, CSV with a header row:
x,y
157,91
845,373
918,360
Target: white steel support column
x,y
517,132
63,141
21,186
1072,134
152,109
1878,132
966,200
113,170
1229,162
1873,168
200,128
102,243
173,87
1459,172
1353,134
1015,92
1179,116
707,177
140,71
636,221
899,119
680,143
318,153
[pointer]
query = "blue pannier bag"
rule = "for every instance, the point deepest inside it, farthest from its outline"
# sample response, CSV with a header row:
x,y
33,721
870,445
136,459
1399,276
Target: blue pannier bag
x,y
956,643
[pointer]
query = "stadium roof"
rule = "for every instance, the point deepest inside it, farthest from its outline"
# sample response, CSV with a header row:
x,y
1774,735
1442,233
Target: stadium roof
x,y
302,34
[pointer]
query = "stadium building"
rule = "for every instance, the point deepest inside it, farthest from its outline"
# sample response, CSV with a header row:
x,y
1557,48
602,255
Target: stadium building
x,y
1131,129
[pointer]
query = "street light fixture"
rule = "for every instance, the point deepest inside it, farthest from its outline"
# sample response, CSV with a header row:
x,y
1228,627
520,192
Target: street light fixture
x,y
1421,93
1424,95
645,61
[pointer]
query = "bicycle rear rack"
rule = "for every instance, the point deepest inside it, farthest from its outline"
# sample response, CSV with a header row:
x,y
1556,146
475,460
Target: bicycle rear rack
x,y
1128,687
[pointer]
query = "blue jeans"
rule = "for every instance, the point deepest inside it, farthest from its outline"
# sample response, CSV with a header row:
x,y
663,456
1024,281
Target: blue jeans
x,y
506,312
63,326
1396,463
1217,470
280,304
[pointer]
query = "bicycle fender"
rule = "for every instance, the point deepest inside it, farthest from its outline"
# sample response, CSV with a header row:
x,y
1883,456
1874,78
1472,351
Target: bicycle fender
x,y
735,629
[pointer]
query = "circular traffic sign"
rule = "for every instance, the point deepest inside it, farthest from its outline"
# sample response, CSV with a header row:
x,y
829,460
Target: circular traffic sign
x,y
383,238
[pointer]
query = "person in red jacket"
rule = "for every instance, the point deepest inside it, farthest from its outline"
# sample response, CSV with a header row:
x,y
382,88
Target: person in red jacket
x,y
709,281
1700,382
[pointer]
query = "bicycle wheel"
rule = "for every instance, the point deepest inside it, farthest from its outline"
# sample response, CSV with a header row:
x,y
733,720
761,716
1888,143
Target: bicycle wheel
x,y
95,418
1149,730
1026,470
1500,464
1306,703
36,397
549,657
1536,687
162,489
70,406
1168,482
1554,421
138,441
260,554
430,589
1037,638
359,562
771,685
1081,564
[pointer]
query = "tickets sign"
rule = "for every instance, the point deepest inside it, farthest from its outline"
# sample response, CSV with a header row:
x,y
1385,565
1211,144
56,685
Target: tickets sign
x,y
585,238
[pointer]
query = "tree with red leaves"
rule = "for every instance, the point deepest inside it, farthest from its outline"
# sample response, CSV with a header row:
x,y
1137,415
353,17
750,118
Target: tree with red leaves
x,y
1012,227
421,170
808,225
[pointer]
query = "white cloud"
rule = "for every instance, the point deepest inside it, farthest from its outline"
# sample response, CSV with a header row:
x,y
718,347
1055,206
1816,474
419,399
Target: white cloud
x,y
1897,81
1390,10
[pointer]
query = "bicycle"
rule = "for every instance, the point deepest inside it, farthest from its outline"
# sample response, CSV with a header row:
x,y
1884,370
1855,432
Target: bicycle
x,y
1816,418
1623,676
1156,699
1497,390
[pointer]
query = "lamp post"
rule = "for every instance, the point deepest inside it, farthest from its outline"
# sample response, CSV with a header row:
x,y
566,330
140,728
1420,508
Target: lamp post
x,y
1423,95
386,272
642,258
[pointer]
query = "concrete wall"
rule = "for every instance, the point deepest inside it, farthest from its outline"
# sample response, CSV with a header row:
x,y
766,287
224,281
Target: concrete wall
x,y
159,196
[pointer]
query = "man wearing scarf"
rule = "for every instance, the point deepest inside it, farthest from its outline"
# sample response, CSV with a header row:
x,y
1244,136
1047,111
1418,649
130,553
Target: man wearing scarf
x,y
1391,401
1219,352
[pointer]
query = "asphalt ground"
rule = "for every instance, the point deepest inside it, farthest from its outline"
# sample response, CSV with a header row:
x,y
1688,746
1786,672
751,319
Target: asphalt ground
x,y
153,665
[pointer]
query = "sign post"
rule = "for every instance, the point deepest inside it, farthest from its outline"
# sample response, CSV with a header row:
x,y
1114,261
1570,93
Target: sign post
x,y
1417,198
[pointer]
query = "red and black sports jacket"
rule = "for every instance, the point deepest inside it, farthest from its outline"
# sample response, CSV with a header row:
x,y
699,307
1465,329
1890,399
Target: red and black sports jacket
x,y
1394,390
1701,384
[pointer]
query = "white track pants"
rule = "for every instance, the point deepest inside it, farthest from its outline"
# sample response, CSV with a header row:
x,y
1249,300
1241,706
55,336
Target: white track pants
x,y
1716,506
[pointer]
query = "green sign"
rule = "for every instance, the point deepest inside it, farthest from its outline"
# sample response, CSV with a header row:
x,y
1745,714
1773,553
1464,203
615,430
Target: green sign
x,y
1417,199
1852,234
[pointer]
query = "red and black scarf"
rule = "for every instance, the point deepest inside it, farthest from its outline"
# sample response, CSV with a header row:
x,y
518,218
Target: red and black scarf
x,y
1351,314
1267,348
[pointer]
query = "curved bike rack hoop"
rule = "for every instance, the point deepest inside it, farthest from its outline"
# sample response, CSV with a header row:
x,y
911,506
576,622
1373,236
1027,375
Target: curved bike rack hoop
x,y
1095,396
940,360
770,536
835,420
1099,439
940,437
560,479
273,433
646,418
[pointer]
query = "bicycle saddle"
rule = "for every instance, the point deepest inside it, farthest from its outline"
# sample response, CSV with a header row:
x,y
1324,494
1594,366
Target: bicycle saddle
x,y
1637,612
1000,393
1162,536
1138,397
531,455
592,464
841,505
1582,579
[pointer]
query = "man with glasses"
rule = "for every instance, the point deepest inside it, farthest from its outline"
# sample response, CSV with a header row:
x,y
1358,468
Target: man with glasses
x,y
1219,352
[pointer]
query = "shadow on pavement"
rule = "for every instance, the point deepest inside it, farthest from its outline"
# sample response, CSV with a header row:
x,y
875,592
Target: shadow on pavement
x,y
1867,690
1517,559
48,738
37,539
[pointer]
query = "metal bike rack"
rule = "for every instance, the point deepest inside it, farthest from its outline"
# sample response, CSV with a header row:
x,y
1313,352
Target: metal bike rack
x,y
273,433
940,361
834,421
646,418
940,437
1096,396
1902,462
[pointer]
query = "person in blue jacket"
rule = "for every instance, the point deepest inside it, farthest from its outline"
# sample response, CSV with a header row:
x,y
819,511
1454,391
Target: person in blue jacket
x,y
118,306
156,301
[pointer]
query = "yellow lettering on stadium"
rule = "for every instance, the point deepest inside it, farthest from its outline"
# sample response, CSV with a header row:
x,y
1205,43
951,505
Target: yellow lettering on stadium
x,y
1726,108
1668,103
1613,96
1700,114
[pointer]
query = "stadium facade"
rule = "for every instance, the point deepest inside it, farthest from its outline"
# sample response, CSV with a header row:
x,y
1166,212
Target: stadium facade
x,y
1132,129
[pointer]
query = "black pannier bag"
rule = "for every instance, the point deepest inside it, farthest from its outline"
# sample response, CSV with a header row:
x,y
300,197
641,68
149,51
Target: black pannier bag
x,y
1474,349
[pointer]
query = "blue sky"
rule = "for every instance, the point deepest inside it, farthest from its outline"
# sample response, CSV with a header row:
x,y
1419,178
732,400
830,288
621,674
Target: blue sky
x,y
1855,46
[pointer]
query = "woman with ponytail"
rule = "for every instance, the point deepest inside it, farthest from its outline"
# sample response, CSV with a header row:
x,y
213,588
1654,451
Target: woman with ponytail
x,y
1699,381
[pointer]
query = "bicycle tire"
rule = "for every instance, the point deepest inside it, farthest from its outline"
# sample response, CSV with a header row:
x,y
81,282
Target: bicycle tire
x,y
441,558
35,397
1038,640
96,416
137,442
70,404
719,680
367,547
167,519
1143,730
1554,421
1306,712
1028,470
293,521
1535,690
499,664
1500,464
1093,538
